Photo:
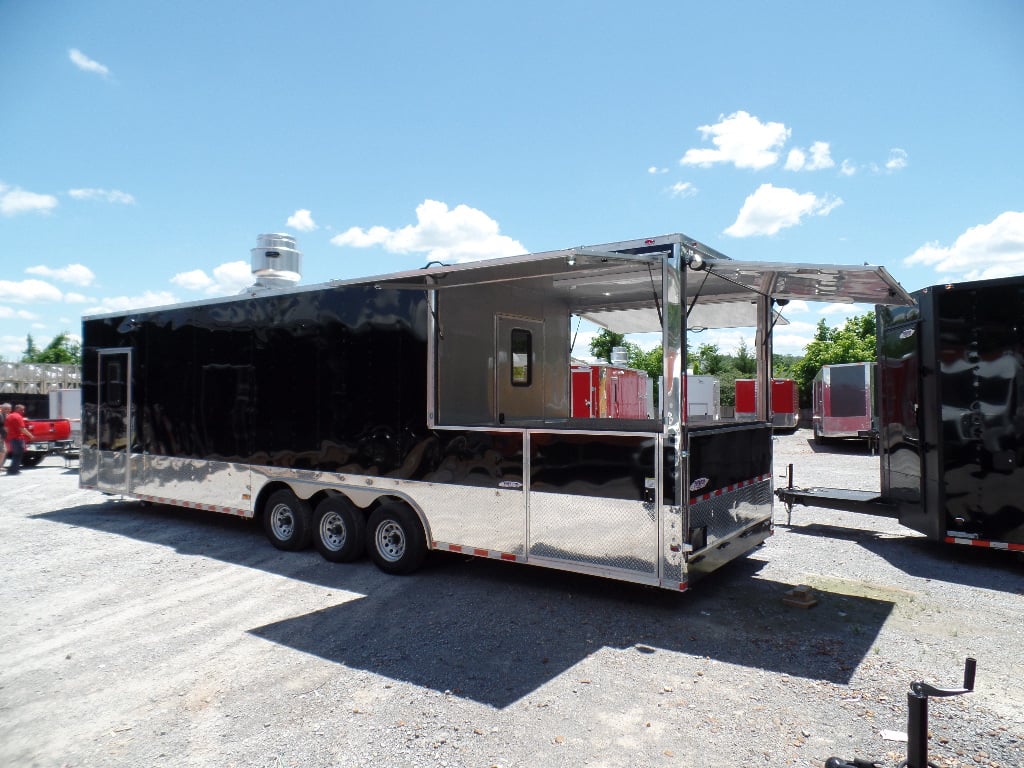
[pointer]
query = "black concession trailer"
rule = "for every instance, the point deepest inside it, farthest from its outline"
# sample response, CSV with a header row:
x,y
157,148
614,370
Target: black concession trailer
x,y
951,398
431,409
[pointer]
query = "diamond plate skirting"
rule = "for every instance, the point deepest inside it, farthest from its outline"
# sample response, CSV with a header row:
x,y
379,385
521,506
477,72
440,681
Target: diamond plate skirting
x,y
728,513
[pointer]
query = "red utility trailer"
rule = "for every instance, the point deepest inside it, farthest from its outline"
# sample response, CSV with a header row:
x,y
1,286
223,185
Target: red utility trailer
x,y
604,391
785,402
746,399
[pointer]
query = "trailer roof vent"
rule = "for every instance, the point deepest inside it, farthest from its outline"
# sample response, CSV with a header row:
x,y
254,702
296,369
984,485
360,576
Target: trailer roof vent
x,y
276,262
619,356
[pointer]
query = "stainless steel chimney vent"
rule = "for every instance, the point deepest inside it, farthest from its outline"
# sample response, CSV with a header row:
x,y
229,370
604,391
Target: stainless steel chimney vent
x,y
276,262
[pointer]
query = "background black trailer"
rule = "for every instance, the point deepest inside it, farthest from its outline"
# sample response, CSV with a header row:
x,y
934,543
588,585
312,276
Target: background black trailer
x,y
951,395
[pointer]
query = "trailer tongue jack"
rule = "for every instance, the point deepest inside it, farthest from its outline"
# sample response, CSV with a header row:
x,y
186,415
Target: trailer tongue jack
x,y
917,722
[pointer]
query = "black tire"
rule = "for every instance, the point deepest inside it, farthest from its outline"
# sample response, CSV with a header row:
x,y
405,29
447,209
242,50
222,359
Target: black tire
x,y
395,539
339,530
31,459
287,521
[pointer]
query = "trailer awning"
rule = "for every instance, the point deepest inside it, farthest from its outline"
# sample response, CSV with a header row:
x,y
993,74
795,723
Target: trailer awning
x,y
806,282
619,286
707,315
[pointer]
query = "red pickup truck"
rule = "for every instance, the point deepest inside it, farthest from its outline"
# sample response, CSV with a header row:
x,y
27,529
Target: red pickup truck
x,y
48,436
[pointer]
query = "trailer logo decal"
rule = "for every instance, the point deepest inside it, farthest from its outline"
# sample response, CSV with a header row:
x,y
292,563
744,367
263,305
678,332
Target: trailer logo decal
x,y
510,484
699,484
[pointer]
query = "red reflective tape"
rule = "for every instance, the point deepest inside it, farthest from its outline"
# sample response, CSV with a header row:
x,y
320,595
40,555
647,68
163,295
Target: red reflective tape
x,y
729,489
475,551
985,543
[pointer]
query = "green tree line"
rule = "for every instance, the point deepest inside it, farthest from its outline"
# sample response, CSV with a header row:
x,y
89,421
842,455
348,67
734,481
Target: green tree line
x,y
61,349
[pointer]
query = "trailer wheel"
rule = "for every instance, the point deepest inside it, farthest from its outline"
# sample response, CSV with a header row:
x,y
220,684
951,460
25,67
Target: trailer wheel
x,y
395,538
339,530
287,521
31,459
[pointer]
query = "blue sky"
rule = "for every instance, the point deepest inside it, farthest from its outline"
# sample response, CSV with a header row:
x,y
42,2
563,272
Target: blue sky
x,y
144,146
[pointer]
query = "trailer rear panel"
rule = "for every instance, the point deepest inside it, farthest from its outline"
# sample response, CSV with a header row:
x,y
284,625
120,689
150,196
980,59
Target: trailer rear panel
x,y
953,411
843,401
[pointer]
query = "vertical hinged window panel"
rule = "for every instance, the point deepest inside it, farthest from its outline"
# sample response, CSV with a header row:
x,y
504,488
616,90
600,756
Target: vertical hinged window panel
x,y
521,346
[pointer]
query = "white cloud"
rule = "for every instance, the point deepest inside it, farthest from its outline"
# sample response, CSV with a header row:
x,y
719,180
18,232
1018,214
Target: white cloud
x,y
122,303
86,64
195,280
897,160
14,201
820,158
77,298
302,220
655,170
682,189
794,306
457,235
103,195
986,251
227,279
834,309
791,339
76,274
233,276
28,291
740,139
770,209
9,313
847,168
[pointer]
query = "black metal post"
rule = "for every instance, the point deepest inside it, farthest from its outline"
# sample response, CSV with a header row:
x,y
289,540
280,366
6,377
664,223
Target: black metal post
x,y
917,730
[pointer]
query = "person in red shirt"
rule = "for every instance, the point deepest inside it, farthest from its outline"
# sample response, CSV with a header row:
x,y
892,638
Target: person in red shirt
x,y
5,408
17,434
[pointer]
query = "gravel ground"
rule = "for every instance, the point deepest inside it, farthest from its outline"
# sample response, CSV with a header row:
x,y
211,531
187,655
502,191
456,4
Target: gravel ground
x,y
161,636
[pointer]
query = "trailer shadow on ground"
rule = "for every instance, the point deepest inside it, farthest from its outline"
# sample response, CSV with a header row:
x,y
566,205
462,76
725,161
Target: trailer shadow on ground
x,y
916,555
494,632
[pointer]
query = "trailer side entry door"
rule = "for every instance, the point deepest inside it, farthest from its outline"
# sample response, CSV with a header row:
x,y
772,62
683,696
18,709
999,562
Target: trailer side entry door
x,y
900,433
113,433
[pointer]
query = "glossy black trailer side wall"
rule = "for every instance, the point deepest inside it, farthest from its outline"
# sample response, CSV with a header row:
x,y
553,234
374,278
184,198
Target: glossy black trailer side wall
x,y
952,387
331,380
311,380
